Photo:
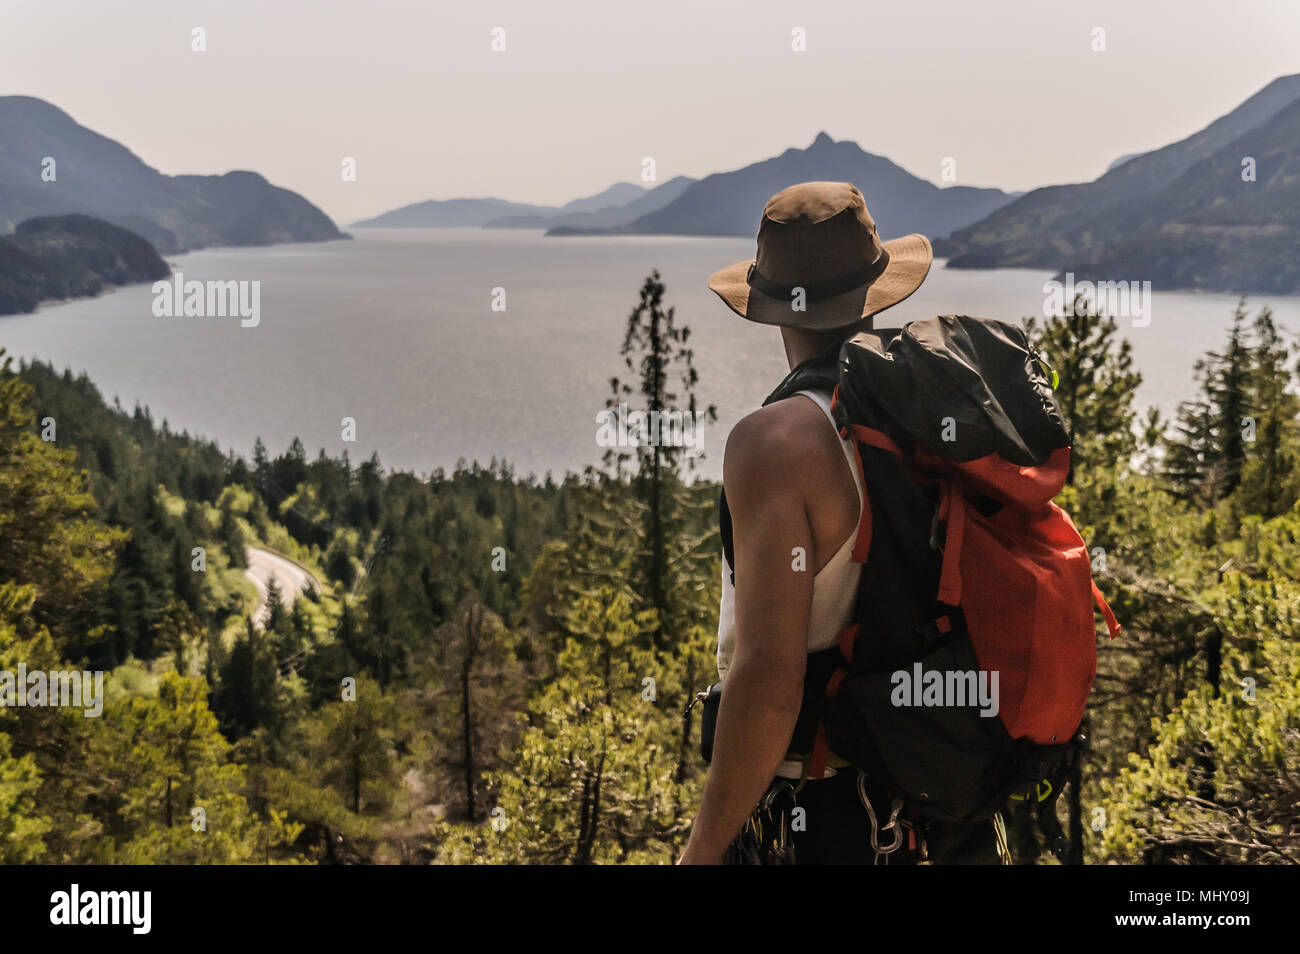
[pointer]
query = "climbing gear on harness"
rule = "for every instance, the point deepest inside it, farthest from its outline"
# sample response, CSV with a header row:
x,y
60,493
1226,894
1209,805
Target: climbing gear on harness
x,y
1000,832
895,806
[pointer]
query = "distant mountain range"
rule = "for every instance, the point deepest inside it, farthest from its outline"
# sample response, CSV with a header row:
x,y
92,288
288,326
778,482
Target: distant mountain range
x,y
451,213
726,203
731,203
71,256
607,216
1181,216
620,203
94,175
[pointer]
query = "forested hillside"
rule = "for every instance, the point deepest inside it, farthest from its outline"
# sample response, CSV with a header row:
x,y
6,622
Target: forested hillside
x,y
497,669
71,256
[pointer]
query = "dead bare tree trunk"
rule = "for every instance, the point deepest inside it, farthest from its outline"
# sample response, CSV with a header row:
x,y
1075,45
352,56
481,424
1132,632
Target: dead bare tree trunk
x,y
473,632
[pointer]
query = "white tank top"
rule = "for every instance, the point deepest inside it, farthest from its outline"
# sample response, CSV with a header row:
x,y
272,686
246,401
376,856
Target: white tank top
x,y
835,587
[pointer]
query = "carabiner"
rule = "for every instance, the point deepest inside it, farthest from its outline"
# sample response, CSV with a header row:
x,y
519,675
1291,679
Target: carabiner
x,y
895,806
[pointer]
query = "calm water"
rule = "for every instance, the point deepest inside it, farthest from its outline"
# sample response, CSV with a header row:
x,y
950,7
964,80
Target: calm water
x,y
395,329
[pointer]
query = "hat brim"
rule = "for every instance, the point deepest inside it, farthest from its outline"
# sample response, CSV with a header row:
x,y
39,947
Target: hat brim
x,y
909,262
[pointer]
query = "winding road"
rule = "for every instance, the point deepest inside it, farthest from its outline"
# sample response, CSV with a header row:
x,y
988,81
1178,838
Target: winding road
x,y
264,566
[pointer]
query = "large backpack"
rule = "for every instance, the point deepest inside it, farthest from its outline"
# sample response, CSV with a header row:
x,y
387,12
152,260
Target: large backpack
x,y
970,570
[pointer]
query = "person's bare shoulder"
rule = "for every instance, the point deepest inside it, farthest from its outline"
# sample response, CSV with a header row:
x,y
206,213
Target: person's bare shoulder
x,y
781,448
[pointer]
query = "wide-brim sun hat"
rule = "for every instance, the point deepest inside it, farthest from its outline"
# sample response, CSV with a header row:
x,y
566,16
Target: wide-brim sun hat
x,y
821,264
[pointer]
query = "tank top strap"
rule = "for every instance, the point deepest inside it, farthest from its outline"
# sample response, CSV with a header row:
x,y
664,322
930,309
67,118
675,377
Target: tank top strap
x,y
823,401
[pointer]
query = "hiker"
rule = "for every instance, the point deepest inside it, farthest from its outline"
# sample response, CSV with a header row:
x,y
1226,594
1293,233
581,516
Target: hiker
x,y
820,612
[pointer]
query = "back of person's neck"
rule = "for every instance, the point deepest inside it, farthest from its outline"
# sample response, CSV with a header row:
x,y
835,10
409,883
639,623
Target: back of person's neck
x,y
803,345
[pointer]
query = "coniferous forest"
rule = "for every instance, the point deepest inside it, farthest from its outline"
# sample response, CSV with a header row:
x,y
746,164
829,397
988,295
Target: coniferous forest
x,y
490,668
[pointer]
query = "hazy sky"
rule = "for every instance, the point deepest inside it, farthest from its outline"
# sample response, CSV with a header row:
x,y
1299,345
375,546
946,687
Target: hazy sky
x,y
412,89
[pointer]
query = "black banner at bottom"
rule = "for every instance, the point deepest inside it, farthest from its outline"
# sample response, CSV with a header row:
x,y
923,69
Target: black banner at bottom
x,y
664,905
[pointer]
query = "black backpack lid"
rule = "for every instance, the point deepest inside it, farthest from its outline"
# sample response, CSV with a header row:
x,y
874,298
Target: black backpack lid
x,y
973,380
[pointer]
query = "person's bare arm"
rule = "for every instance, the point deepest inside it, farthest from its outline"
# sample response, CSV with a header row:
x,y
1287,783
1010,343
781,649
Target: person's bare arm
x,y
764,687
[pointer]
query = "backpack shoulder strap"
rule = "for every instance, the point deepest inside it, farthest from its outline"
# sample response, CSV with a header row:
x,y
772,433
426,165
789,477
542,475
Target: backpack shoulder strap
x,y
815,374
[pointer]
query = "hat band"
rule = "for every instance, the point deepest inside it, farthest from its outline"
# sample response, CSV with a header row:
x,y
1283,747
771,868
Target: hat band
x,y
819,291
